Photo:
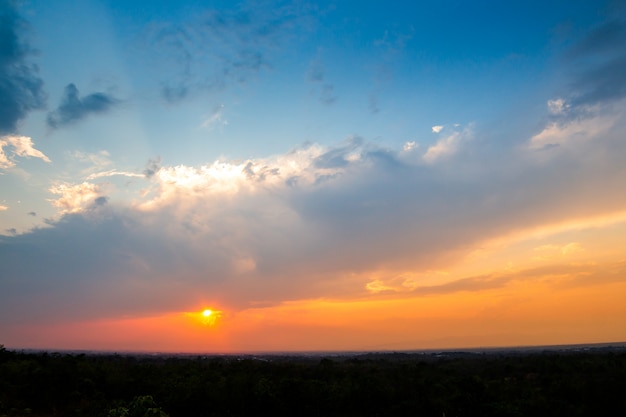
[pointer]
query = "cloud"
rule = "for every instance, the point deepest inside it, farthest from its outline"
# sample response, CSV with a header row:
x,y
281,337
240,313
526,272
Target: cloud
x,y
222,47
74,109
593,102
373,103
317,221
98,160
113,173
558,106
570,132
216,118
18,146
3,207
152,167
76,198
437,129
410,146
600,62
21,89
447,146
317,76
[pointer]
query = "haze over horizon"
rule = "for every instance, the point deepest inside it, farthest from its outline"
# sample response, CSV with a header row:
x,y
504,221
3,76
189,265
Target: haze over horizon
x,y
210,176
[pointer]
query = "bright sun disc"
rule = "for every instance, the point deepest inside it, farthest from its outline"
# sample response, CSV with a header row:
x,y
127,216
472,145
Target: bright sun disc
x,y
207,313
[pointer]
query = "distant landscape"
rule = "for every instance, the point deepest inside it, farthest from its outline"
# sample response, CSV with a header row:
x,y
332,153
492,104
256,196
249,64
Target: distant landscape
x,y
575,380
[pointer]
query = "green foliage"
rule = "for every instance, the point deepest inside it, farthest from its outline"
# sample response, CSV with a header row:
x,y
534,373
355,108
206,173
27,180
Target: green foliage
x,y
141,406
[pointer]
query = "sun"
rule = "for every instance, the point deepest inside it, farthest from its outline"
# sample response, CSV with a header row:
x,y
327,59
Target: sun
x,y
207,313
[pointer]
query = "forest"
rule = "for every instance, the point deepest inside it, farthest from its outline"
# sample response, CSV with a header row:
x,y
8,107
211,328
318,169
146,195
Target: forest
x,y
567,382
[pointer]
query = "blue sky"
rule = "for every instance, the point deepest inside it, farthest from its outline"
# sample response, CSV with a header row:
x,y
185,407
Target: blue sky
x,y
330,139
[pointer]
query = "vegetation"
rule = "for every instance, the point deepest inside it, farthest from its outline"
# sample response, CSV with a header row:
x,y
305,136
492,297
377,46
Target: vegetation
x,y
555,383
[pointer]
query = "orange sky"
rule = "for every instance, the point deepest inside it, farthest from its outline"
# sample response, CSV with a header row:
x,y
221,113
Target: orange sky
x,y
542,290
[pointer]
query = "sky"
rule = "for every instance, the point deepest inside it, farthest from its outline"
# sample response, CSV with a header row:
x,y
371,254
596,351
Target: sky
x,y
319,176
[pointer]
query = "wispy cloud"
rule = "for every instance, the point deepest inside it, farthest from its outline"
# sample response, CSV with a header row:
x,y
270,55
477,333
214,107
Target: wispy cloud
x,y
215,118
317,76
114,173
21,89
73,108
221,47
18,146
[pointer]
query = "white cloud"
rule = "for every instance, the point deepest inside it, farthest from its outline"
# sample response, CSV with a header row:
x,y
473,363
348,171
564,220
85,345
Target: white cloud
x,y
572,131
410,146
558,106
113,173
448,145
3,207
21,146
75,198
437,129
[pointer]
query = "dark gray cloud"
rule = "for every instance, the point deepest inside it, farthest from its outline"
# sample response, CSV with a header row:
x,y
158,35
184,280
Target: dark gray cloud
x,y
152,167
73,108
21,89
32,213
338,157
600,62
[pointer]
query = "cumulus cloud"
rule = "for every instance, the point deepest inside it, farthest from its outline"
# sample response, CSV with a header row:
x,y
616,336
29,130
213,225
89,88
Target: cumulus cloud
x,y
73,108
77,197
18,146
21,89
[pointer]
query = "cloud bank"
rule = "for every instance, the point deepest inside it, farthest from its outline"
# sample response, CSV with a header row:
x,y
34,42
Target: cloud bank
x,y
314,222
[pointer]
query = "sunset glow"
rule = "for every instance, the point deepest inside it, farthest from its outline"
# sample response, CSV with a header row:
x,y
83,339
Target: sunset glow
x,y
300,176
